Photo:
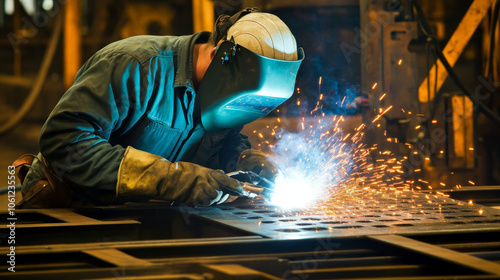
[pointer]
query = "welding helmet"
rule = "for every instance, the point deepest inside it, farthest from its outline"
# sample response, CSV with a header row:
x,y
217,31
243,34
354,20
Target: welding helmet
x,y
253,70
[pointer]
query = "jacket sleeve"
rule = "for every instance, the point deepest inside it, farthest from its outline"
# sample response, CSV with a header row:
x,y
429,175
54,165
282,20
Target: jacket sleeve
x,y
74,139
234,143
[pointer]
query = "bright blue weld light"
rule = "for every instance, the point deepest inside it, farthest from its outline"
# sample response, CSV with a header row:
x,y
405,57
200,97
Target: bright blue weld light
x,y
312,163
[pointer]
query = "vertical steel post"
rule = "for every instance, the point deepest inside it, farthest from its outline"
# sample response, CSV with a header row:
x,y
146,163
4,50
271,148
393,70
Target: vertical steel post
x,y
17,31
203,15
72,41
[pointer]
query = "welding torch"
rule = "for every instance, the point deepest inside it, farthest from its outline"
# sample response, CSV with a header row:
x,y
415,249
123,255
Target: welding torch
x,y
254,185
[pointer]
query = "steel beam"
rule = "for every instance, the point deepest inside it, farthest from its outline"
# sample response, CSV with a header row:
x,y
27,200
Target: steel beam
x,y
440,253
117,257
454,47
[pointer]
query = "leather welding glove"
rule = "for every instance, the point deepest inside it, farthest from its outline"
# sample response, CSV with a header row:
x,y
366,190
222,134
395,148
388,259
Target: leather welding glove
x,y
258,162
145,174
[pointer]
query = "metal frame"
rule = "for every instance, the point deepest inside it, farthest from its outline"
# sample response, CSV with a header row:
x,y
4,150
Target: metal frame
x,y
154,241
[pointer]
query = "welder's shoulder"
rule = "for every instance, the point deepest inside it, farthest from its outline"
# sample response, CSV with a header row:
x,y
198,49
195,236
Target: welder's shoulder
x,y
142,47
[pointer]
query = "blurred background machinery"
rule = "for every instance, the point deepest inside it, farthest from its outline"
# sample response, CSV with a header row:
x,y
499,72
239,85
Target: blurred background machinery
x,y
362,57
356,49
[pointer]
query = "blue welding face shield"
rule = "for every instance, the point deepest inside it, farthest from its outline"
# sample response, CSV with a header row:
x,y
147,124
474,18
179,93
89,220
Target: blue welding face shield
x,y
241,86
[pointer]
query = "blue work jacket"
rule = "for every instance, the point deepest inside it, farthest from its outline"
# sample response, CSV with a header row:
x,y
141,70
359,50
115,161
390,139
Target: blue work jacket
x,y
134,92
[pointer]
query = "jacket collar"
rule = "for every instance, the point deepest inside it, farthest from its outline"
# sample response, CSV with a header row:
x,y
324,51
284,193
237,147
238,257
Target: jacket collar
x,y
184,60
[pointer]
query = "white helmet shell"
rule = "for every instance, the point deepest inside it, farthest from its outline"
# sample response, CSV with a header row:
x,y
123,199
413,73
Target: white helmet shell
x,y
264,34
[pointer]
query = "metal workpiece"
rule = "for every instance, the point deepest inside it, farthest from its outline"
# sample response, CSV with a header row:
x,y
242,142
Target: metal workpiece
x,y
419,235
485,195
408,213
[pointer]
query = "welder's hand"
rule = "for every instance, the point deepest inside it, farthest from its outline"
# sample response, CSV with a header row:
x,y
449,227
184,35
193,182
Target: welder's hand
x,y
258,162
149,175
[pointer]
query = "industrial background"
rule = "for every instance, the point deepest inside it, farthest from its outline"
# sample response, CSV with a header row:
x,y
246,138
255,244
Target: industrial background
x,y
360,56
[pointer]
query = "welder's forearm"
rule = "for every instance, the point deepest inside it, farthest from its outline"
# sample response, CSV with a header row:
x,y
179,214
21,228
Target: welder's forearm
x,y
81,158
75,138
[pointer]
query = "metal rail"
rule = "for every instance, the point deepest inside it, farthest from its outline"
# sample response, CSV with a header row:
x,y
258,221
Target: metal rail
x,y
225,242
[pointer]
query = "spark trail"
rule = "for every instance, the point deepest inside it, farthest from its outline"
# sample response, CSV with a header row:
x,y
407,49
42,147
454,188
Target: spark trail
x,y
328,169
321,161
323,165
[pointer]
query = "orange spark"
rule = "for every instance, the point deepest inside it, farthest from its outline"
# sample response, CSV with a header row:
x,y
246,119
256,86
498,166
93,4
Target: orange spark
x,y
381,114
342,101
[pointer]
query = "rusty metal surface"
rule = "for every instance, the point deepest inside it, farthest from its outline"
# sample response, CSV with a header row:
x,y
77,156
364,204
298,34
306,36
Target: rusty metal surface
x,y
409,213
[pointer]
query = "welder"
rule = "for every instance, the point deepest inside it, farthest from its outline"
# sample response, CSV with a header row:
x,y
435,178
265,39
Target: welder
x,y
159,117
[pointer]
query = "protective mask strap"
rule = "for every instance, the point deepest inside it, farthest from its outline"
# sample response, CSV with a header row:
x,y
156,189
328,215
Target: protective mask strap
x,y
224,22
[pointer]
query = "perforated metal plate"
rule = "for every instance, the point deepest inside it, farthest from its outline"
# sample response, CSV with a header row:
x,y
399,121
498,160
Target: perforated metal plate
x,y
406,212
